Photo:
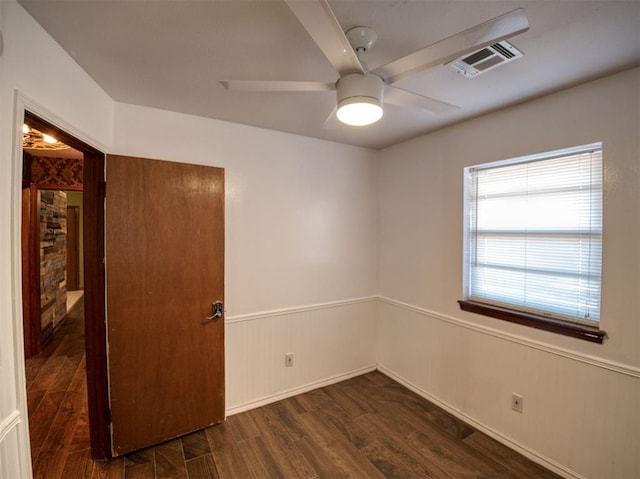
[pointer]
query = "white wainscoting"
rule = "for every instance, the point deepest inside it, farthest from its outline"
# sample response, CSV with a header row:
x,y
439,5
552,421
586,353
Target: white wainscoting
x,y
330,342
581,414
10,466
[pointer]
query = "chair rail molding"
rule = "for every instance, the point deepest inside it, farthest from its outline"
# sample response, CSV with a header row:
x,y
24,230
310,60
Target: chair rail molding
x,y
297,309
8,423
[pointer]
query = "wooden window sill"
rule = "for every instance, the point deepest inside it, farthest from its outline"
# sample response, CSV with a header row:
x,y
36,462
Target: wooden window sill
x,y
566,328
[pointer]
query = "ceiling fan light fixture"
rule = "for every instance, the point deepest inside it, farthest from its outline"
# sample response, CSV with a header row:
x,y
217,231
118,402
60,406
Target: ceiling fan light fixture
x,y
359,111
360,99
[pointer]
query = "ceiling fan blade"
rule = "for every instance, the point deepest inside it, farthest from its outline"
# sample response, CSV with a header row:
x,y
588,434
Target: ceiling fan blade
x,y
332,122
320,22
264,86
474,38
399,97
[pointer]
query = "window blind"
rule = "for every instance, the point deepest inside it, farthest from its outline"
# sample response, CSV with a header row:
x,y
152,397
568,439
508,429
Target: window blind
x,y
534,234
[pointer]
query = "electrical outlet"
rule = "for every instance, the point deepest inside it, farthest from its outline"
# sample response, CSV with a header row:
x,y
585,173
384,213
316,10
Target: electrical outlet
x,y
516,402
288,360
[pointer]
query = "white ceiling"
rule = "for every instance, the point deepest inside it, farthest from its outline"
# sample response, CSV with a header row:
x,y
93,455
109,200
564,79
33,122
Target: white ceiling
x,y
171,55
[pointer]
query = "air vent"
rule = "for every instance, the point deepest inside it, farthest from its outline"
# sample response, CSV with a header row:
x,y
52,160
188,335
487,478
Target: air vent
x,y
485,59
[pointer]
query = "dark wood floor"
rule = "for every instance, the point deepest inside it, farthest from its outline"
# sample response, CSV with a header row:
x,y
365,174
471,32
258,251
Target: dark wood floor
x,y
366,427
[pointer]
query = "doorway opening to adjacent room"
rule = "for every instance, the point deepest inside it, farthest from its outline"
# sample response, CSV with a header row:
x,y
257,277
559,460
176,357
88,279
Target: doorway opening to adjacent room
x,y
54,163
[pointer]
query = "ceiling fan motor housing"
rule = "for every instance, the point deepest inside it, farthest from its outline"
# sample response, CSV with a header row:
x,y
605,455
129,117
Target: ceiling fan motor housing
x,y
359,87
359,98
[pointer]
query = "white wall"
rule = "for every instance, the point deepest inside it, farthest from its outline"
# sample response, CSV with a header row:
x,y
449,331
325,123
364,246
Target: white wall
x,y
300,242
580,399
34,71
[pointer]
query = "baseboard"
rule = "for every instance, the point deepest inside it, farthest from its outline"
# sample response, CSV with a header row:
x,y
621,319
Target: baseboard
x,y
299,390
46,334
489,431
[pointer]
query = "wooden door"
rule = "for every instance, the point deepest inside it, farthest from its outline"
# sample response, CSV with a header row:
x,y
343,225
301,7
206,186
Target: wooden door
x,y
73,256
165,268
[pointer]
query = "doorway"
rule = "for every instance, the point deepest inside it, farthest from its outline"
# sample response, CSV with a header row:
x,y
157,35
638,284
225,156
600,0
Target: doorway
x,y
92,272
52,237
179,293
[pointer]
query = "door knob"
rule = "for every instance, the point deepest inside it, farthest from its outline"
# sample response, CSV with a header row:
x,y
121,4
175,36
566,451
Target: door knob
x,y
217,309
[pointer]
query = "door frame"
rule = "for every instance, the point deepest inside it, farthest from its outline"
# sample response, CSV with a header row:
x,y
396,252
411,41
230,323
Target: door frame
x,y
95,329
30,234
73,240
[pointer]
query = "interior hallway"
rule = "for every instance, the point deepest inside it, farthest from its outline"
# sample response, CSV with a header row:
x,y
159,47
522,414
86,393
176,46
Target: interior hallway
x,y
366,427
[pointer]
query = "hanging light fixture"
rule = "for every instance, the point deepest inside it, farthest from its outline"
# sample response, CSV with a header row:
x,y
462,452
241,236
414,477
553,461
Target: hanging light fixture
x,y
33,139
49,139
360,99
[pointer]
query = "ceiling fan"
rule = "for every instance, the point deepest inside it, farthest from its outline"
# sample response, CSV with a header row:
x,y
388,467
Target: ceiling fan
x,y
360,91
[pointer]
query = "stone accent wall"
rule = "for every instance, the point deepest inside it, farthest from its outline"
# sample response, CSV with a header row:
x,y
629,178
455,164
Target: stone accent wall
x,y
53,259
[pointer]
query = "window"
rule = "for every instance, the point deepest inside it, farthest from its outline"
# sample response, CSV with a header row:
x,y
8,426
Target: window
x,y
533,240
